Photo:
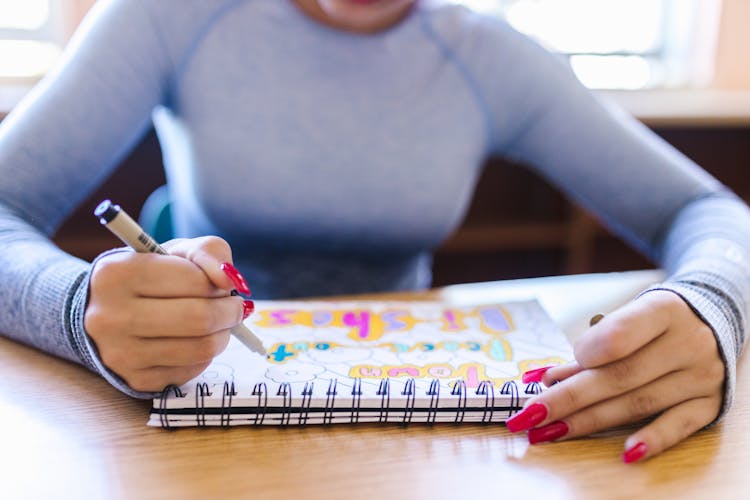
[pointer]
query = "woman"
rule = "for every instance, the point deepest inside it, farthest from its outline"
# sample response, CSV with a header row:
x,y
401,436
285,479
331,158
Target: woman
x,y
333,144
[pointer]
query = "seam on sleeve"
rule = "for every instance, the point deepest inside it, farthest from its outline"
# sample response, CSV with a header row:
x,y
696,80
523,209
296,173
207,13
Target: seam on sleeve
x,y
159,33
659,240
471,82
201,33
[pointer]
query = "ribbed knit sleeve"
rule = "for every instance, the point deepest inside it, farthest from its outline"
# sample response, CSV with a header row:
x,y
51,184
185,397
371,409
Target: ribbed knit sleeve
x,y
707,256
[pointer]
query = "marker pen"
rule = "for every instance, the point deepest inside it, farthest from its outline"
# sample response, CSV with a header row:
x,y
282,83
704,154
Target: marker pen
x,y
124,227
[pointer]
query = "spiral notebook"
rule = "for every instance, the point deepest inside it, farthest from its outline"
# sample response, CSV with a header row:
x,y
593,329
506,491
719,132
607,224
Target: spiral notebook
x,y
352,362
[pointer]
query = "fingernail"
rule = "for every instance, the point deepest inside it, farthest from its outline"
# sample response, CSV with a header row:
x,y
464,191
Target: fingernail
x,y
248,306
549,432
634,453
234,275
527,418
534,375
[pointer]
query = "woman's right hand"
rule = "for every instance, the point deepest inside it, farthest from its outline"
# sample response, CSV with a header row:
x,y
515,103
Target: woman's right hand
x,y
160,319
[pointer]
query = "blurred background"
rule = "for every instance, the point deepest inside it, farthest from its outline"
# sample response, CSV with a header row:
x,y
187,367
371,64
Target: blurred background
x,y
620,44
680,66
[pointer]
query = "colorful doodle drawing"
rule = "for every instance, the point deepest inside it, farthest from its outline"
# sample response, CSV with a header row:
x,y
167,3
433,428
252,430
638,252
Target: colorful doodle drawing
x,y
493,320
471,373
496,349
424,341
531,364
366,326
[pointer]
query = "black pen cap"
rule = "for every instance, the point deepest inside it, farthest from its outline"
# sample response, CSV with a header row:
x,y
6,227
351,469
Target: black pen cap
x,y
106,211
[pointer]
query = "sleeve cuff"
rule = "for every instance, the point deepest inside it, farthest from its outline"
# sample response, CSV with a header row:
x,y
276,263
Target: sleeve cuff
x,y
85,346
717,318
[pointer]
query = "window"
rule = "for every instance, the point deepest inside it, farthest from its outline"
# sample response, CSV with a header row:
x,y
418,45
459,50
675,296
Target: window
x,y
31,35
627,44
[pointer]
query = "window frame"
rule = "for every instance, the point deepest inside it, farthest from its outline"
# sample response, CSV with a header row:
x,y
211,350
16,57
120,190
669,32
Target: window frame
x,y
53,31
682,59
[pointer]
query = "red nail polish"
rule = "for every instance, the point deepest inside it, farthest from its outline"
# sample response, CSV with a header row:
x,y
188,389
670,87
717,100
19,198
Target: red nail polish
x,y
248,306
549,432
634,453
527,418
535,375
234,275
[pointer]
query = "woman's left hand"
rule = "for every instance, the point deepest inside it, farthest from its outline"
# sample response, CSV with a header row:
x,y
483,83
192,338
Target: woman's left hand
x,y
651,358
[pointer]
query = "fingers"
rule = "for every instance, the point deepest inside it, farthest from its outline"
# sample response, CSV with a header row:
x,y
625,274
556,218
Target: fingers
x,y
557,374
636,405
131,356
177,352
654,366
676,366
199,267
157,378
150,275
670,428
624,331
587,387
214,257
679,416
160,319
155,318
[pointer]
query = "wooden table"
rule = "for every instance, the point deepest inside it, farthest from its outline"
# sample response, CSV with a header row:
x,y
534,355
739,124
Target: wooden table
x,y
66,433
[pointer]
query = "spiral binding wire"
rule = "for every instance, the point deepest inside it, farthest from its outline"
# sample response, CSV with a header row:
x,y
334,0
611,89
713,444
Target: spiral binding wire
x,y
434,393
285,390
304,408
163,418
533,388
384,391
510,388
459,389
487,389
261,391
330,401
356,400
411,394
226,403
201,391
